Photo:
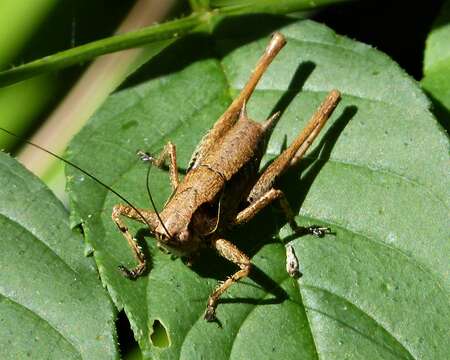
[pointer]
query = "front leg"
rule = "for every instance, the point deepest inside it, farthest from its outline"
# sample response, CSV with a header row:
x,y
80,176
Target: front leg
x,y
144,216
273,194
233,254
169,152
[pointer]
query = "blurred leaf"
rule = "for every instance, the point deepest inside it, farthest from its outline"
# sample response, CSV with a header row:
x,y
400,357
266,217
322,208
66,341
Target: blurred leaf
x,y
51,302
438,47
436,79
378,175
14,31
36,93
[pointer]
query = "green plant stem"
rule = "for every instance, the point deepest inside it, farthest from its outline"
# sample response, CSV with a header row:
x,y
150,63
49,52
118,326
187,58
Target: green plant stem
x,y
238,7
169,30
201,20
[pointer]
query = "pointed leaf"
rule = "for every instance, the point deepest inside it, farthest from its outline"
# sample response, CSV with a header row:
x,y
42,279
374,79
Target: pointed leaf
x,y
52,305
378,176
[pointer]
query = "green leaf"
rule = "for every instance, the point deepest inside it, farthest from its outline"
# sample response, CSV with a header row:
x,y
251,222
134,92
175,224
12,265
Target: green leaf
x,y
436,81
378,175
51,302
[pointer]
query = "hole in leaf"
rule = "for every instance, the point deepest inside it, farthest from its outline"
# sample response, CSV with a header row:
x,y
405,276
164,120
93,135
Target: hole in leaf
x,y
159,336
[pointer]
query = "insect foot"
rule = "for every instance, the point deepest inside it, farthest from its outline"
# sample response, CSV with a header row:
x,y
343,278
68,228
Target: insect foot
x,y
292,265
210,314
317,230
144,156
132,274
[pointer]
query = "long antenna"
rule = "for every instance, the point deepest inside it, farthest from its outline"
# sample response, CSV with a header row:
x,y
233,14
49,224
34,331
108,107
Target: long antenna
x,y
147,184
84,172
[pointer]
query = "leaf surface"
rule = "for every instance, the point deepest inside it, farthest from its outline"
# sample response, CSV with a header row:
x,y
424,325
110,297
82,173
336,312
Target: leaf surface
x,y
52,305
377,175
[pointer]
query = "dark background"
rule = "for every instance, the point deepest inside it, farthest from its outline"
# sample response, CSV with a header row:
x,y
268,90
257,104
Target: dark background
x,y
398,28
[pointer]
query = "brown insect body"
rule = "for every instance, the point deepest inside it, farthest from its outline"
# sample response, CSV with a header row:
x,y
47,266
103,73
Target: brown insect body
x,y
223,187
224,176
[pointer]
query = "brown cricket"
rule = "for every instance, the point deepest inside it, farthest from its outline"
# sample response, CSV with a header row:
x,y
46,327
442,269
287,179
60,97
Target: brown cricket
x,y
223,187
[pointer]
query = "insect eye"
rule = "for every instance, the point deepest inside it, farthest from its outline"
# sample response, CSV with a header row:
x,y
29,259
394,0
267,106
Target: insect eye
x,y
184,235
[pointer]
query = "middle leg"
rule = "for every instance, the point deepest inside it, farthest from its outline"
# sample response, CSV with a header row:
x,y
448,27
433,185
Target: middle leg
x,y
233,254
292,266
